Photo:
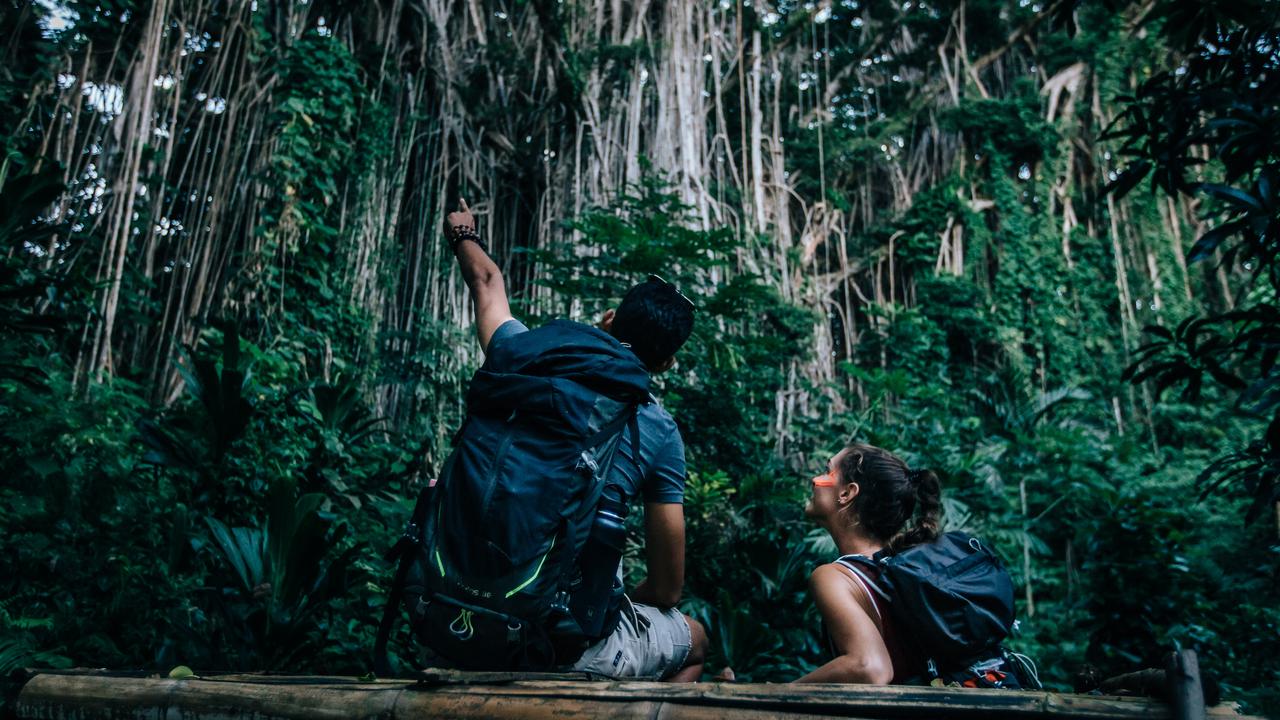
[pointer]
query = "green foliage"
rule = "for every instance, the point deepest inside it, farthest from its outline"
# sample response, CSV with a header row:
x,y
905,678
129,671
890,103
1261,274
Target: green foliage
x,y
22,200
1013,125
238,527
324,123
316,115
19,648
287,581
1226,95
221,386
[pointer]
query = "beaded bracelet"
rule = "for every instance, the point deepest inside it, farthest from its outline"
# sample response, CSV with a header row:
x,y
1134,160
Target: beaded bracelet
x,y
464,232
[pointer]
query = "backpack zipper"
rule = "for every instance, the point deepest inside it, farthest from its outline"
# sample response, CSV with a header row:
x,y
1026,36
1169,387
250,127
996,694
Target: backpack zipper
x,y
493,473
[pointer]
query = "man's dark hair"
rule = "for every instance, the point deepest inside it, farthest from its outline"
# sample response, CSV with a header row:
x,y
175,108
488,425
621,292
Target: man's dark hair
x,y
654,319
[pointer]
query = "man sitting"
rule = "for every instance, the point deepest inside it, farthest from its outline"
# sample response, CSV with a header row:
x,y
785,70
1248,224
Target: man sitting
x,y
651,639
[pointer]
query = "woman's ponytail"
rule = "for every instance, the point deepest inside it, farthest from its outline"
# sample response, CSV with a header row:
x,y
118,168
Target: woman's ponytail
x,y
890,495
928,491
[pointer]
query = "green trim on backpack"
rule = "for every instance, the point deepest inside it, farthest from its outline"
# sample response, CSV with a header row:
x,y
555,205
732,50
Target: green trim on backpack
x,y
536,571
439,562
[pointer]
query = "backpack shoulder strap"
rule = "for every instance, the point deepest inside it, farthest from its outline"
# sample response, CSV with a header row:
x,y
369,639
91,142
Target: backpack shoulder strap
x,y
864,582
852,562
634,426
627,420
613,427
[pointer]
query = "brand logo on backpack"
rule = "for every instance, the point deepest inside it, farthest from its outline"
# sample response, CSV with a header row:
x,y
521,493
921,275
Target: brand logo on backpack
x,y
473,592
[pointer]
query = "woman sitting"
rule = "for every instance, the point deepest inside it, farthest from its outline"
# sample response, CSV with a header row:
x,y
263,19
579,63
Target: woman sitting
x,y
865,501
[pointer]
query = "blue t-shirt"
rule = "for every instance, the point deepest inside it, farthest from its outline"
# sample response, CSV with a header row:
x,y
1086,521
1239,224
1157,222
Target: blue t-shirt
x,y
659,476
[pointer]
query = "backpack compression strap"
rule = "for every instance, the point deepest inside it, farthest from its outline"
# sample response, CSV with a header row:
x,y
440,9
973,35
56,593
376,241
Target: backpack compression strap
x,y
411,538
613,496
611,500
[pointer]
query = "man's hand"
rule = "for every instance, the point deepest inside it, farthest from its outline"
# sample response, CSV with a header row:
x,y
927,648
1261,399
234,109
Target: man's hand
x,y
461,217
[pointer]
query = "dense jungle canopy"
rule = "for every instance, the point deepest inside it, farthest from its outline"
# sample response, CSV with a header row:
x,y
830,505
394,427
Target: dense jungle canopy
x,y
1031,244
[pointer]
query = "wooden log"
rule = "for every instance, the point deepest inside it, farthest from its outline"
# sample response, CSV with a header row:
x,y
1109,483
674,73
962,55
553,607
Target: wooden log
x,y
1149,683
56,696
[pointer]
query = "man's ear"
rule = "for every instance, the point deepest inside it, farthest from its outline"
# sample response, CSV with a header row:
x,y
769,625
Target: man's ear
x,y
665,365
606,321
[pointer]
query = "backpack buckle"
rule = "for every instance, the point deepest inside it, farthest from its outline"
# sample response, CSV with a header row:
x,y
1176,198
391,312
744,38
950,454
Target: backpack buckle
x,y
587,464
410,538
412,533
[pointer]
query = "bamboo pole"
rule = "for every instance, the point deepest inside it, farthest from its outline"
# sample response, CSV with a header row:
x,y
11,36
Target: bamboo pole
x,y
85,697
1185,689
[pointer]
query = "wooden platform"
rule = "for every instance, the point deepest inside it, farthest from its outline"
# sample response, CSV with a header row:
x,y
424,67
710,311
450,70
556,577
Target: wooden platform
x,y
87,695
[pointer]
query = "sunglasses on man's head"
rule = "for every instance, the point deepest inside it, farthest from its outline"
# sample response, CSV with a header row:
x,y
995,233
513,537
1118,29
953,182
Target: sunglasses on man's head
x,y
656,279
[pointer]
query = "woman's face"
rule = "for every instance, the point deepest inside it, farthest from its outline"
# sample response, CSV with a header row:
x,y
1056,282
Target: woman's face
x,y
824,494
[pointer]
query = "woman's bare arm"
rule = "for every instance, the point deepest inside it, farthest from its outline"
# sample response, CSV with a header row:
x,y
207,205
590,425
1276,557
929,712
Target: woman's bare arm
x,y
861,655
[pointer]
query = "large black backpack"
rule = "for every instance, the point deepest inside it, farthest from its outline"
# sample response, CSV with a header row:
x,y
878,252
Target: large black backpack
x,y
952,596
490,570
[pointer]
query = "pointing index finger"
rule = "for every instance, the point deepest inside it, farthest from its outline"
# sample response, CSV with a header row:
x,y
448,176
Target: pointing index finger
x,y
462,205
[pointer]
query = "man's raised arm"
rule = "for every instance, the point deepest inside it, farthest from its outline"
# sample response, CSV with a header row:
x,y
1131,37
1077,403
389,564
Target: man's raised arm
x,y
488,293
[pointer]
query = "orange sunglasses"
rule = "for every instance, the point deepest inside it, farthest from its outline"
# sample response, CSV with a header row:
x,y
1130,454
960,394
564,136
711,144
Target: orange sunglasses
x,y
824,480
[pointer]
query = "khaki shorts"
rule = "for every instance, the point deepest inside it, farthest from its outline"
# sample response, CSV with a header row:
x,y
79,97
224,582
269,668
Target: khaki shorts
x,y
648,644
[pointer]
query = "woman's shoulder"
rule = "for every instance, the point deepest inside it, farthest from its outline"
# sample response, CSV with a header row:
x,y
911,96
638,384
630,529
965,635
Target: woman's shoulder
x,y
839,569
832,579
840,589
830,569
849,579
